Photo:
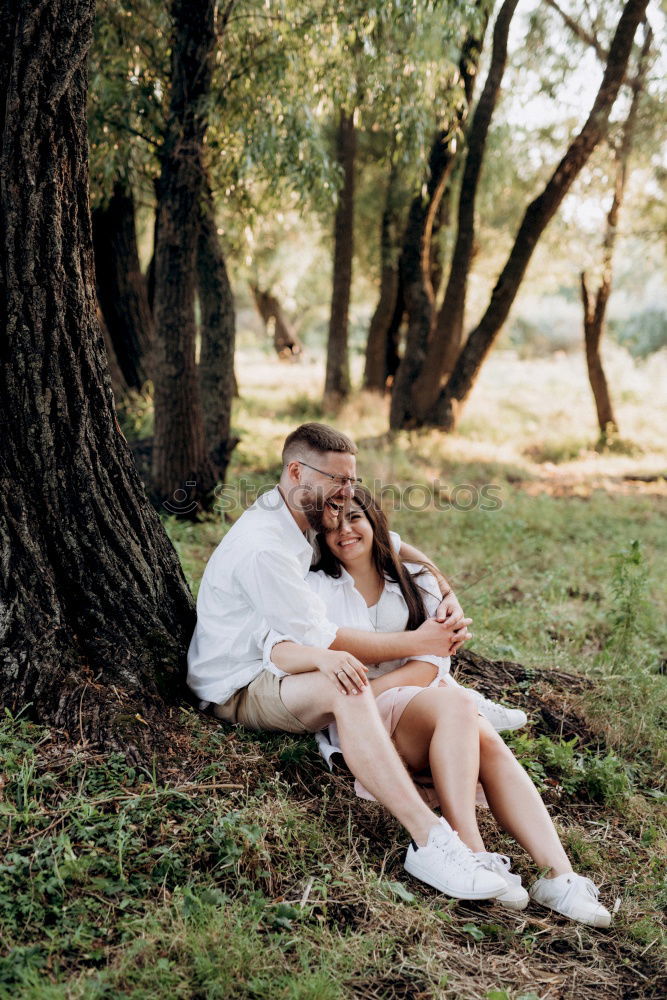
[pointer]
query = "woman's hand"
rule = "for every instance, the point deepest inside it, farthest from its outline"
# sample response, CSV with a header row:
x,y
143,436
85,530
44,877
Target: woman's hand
x,y
345,671
442,638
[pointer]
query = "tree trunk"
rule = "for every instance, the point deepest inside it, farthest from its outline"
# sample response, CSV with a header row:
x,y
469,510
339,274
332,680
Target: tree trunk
x,y
539,213
416,259
337,380
121,287
218,332
118,383
181,463
448,334
285,340
595,310
96,614
377,355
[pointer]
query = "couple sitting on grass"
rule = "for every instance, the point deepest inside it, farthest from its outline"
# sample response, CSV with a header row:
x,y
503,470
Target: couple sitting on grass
x,y
313,616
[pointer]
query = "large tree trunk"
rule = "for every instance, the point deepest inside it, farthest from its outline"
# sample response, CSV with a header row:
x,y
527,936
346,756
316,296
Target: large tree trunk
x,y
285,340
595,308
377,360
181,462
218,333
95,613
448,333
539,213
121,287
337,380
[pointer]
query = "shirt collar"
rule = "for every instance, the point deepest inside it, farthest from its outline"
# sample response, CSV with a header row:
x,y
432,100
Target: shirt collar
x,y
275,501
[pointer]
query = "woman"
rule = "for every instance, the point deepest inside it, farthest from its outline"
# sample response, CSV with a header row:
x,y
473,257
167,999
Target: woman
x,y
436,728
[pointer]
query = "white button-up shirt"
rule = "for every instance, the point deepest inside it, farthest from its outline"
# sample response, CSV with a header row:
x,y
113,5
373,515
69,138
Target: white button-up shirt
x,y
253,582
348,609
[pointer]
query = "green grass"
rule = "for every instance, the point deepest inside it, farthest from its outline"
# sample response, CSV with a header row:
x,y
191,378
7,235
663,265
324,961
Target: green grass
x,y
239,868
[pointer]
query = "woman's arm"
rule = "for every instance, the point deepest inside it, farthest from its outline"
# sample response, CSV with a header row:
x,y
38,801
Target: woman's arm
x,y
414,672
342,669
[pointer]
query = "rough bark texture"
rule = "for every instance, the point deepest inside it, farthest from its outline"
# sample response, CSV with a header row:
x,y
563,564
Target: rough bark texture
x,y
595,307
218,333
181,462
376,370
539,213
121,287
448,334
95,614
285,340
337,379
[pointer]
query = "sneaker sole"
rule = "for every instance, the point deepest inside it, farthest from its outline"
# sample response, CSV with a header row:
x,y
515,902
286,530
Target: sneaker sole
x,y
600,921
510,729
427,877
513,904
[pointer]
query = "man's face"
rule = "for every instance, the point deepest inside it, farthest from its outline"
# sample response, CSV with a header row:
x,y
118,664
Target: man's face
x,y
320,497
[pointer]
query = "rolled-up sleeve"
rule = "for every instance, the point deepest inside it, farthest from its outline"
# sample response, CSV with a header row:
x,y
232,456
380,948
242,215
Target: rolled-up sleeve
x,y
271,581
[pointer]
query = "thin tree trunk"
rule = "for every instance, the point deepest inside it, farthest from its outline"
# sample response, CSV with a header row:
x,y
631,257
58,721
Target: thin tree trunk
x,y
121,287
448,334
416,259
337,380
285,340
95,613
595,309
181,463
539,213
376,367
218,333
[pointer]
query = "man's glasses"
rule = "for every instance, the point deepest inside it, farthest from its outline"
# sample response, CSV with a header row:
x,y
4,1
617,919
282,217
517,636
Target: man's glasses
x,y
341,480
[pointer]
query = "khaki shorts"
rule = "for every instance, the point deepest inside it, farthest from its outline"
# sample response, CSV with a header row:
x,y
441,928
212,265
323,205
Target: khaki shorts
x,y
259,706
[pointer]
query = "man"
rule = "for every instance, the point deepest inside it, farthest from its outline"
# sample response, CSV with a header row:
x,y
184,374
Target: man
x,y
255,580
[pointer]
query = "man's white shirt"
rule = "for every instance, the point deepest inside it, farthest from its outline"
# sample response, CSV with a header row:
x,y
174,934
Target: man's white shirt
x,y
254,582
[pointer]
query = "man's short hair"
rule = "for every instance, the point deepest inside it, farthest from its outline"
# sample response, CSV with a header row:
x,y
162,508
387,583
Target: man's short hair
x,y
316,438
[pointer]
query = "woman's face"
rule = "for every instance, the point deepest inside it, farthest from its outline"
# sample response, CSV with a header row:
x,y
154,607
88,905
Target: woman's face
x,y
353,539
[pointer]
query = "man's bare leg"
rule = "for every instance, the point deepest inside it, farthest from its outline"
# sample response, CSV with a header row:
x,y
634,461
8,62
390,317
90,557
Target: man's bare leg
x,y
366,745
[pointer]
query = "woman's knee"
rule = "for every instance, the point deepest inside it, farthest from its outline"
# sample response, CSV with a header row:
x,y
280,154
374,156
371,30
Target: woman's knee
x,y
454,701
491,744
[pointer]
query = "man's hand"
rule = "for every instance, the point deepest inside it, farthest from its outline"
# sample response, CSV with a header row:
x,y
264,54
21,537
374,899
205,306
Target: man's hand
x,y
449,608
441,638
345,671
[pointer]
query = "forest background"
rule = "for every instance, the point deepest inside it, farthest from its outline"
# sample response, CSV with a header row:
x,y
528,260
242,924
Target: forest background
x,y
442,227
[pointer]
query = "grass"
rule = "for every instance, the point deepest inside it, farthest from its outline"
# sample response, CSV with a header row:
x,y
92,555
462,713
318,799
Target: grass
x,y
238,867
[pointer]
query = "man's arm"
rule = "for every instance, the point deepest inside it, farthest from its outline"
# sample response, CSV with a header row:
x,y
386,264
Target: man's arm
x,y
449,605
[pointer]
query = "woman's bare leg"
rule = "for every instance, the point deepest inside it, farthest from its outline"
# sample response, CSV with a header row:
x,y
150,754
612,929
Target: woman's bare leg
x,y
516,803
438,729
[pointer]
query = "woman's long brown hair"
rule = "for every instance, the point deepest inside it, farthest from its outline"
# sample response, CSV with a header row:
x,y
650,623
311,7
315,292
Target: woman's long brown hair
x,y
386,561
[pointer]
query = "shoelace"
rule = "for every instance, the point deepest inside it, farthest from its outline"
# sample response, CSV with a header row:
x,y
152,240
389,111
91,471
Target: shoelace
x,y
586,883
501,859
456,851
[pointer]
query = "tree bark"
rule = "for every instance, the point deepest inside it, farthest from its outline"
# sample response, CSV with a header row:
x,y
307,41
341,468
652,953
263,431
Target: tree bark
x,y
595,309
376,370
337,379
218,333
95,614
539,213
448,334
181,461
121,287
285,340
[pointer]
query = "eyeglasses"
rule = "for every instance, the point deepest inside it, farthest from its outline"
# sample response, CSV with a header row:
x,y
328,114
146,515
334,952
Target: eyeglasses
x,y
341,480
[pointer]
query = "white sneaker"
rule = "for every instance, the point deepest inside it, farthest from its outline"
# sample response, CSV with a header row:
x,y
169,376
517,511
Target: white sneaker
x,y
501,718
449,866
513,895
573,896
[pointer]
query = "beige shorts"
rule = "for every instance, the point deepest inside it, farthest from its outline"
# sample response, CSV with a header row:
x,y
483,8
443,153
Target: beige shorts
x,y
259,706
